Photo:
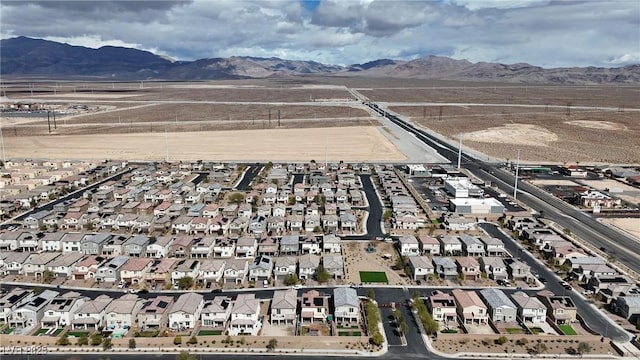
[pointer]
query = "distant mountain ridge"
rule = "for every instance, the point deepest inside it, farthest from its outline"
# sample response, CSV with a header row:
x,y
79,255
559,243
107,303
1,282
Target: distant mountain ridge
x,y
27,56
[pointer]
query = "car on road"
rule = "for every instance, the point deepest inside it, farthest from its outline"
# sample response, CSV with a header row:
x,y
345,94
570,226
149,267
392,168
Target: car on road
x,y
296,287
542,280
566,285
587,292
215,291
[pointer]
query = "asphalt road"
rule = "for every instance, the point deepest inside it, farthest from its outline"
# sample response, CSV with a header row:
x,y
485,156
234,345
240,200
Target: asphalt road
x,y
250,174
375,211
593,318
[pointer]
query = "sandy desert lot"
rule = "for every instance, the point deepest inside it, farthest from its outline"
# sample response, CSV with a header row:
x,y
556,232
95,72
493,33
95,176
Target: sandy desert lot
x,y
343,143
629,225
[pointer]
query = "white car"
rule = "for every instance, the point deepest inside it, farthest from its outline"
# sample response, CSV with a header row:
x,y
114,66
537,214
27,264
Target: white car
x,y
296,286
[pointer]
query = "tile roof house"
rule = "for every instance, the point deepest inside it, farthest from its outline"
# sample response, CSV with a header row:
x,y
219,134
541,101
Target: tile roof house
x,y
409,245
450,245
185,312
289,245
122,312
421,267
91,314
429,245
185,268
471,246
261,268
267,246
307,265
245,316
445,267
283,307
493,246
334,264
211,271
530,308
331,244
246,246
63,266
470,307
236,270
314,307
519,270
500,307
154,314
560,309
11,300
494,267
284,266
111,270
135,270
442,306
468,267
215,313
60,311
158,247
346,306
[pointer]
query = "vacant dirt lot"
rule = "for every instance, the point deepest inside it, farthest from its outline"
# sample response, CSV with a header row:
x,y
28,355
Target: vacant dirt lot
x,y
344,143
630,225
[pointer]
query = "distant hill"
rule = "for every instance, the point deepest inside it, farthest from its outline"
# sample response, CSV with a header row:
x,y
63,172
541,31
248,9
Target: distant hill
x,y
26,56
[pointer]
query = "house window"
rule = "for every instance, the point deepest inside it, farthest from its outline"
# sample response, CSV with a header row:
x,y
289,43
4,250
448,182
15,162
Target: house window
x,y
350,310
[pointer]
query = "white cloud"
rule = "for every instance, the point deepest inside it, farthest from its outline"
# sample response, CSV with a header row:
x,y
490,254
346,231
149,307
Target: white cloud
x,y
626,59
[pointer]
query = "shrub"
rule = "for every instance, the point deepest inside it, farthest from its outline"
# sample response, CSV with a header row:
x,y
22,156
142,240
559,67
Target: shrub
x,y
502,340
132,343
193,340
177,340
63,341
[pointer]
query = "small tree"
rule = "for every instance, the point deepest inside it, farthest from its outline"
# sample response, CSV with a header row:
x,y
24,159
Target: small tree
x,y
404,327
376,339
387,215
47,276
185,283
82,340
291,279
522,342
322,275
132,343
64,340
540,348
584,348
96,338
107,344
502,340
193,340
371,294
273,343
177,340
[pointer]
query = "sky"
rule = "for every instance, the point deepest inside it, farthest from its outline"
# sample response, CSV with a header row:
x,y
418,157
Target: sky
x,y
539,32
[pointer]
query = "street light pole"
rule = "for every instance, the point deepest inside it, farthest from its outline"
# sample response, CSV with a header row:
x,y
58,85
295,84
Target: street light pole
x,y
515,185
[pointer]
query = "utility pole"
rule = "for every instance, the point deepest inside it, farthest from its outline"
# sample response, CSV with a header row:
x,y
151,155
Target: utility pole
x,y
49,121
459,152
278,118
166,146
515,185
4,158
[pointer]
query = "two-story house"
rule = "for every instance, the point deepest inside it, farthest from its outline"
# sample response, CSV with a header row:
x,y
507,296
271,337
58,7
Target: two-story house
x,y
154,314
346,306
185,312
245,316
283,307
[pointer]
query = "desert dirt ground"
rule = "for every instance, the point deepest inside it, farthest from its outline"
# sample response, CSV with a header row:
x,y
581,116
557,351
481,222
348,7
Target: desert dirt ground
x,y
452,344
357,259
343,143
629,225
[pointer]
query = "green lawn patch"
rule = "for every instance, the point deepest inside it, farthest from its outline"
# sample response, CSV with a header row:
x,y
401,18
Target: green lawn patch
x,y
40,332
349,333
209,332
537,330
7,331
449,331
348,327
78,333
57,332
379,277
567,330
515,331
147,333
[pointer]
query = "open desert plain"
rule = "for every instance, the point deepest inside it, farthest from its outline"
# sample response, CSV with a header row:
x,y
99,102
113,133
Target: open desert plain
x,y
304,118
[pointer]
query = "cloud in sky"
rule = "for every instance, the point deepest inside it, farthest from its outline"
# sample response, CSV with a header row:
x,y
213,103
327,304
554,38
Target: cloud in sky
x,y
540,32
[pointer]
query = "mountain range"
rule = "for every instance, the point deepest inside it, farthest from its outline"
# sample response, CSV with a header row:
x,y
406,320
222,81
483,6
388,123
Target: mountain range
x,y
23,56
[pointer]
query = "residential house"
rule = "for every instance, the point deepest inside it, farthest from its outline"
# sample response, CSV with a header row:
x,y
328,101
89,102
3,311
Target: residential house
x,y
10,301
409,245
72,242
135,270
519,270
185,312
311,245
334,264
63,266
122,313
468,267
185,268
267,246
158,247
202,247
236,270
14,262
494,267
154,314
61,310
560,309
37,263
450,245
245,316
289,245
211,271
421,267
628,307
493,246
261,268
445,268
470,307
161,271
50,242
30,313
87,267
224,247
501,308
314,307
91,315
181,246
284,266
215,313
283,307
429,245
348,222
331,244
471,246
346,306
136,246
246,247
530,308
307,265
111,270
442,306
